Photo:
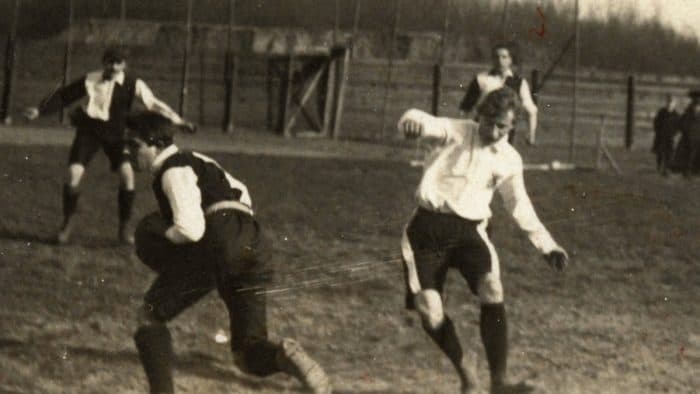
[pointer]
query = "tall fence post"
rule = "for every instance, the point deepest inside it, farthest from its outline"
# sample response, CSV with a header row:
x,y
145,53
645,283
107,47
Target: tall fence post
x,y
68,51
10,60
629,121
229,72
437,68
186,62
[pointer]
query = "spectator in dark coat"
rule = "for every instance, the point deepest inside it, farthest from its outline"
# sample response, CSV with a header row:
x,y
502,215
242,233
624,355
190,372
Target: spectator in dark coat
x,y
666,125
687,158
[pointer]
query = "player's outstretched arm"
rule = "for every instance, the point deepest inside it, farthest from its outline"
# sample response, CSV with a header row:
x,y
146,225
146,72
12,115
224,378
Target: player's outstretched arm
x,y
517,202
415,123
154,104
531,109
59,98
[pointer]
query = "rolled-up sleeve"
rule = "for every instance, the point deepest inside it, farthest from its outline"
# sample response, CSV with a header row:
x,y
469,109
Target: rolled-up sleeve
x,y
518,204
441,130
150,101
180,187
526,98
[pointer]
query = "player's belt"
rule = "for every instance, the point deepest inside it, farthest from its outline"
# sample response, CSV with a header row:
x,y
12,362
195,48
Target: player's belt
x,y
229,204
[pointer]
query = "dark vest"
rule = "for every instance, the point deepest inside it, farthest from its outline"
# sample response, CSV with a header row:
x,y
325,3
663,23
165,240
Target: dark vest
x,y
514,82
122,100
211,181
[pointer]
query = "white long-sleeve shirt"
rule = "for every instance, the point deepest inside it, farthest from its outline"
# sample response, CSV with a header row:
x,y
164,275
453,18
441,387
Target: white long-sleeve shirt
x,y
99,97
181,187
461,175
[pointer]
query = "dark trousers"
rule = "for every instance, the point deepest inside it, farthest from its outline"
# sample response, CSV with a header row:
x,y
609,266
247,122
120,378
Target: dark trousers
x,y
231,257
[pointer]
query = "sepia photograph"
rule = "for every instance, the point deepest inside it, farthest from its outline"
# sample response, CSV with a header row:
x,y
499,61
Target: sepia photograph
x,y
350,196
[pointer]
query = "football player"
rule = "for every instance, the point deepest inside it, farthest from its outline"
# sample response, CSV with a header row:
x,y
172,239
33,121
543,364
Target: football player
x,y
449,227
204,237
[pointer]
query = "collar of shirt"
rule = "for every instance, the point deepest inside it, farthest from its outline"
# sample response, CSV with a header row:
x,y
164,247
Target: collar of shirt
x,y
118,78
162,156
494,147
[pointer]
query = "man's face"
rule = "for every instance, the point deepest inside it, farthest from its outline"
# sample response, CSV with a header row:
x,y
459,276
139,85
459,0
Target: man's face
x,y
502,59
111,67
142,154
671,103
493,129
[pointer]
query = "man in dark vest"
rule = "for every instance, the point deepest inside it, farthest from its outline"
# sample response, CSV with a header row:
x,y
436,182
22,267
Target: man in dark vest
x,y
502,74
204,237
107,96
666,125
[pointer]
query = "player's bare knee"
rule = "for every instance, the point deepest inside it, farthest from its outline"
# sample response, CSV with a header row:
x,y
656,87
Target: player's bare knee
x,y
75,174
429,306
490,290
126,176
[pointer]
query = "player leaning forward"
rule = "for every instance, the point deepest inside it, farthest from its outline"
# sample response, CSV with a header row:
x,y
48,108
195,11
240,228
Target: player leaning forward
x,y
204,237
108,95
448,229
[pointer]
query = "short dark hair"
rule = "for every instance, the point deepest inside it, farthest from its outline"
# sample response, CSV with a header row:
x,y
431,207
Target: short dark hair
x,y
114,54
152,128
499,102
510,47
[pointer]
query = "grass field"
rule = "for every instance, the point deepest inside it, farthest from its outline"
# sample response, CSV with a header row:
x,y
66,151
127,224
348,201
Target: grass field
x,y
623,319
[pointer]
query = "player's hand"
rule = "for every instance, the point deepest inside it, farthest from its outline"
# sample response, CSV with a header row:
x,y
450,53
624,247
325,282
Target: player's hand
x,y
188,127
557,258
411,129
30,113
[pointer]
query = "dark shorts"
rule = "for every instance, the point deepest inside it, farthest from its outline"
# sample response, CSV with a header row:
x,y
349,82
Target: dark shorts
x,y
435,242
87,142
231,257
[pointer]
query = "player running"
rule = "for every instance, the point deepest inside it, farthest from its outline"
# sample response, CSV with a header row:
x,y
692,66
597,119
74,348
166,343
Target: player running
x,y
204,237
449,227
99,122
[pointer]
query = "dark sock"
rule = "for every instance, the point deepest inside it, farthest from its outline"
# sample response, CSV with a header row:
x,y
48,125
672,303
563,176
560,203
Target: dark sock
x,y
126,204
446,338
494,335
156,353
70,202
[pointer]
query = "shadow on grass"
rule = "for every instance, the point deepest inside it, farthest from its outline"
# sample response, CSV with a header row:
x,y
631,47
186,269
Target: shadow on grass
x,y
192,363
25,236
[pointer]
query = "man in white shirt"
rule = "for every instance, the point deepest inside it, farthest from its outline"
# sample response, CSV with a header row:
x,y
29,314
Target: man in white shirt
x,y
500,75
204,237
448,230
108,96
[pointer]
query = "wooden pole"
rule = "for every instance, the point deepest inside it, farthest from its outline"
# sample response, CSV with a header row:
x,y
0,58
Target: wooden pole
x,y
504,20
629,120
437,69
389,74
572,130
67,54
185,62
599,143
336,22
355,26
122,21
230,72
343,71
10,61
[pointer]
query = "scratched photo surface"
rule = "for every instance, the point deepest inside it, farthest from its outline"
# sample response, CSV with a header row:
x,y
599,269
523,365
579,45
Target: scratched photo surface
x,y
333,185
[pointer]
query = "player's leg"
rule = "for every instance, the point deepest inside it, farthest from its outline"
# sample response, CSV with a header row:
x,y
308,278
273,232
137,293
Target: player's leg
x,y
119,162
493,325
83,149
426,271
183,280
242,281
